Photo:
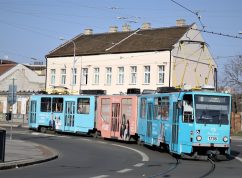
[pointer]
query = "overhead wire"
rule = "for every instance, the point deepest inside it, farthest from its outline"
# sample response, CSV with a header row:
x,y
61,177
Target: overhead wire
x,y
217,33
193,12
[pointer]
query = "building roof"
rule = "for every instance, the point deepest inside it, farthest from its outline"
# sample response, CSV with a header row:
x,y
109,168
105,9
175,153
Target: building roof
x,y
5,61
157,39
6,67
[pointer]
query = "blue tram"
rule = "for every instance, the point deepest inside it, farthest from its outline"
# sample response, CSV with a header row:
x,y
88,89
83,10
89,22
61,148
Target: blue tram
x,y
186,123
63,113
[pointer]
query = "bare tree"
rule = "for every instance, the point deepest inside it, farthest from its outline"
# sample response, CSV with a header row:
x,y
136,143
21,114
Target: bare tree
x,y
233,74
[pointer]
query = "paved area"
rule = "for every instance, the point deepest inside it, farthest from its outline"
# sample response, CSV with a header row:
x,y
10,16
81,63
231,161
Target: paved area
x,y
13,124
20,153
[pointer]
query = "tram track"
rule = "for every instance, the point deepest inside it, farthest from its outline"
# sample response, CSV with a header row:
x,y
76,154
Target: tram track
x,y
165,172
212,168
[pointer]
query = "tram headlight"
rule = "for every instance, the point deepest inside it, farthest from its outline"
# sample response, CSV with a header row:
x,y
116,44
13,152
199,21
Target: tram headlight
x,y
199,138
225,139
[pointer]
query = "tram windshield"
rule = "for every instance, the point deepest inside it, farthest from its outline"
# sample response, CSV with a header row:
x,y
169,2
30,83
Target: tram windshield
x,y
212,109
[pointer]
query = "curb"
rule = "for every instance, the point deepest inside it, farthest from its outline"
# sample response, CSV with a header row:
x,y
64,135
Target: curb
x,y
236,138
51,155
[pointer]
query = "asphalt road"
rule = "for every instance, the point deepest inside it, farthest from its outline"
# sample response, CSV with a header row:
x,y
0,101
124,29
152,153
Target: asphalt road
x,y
87,157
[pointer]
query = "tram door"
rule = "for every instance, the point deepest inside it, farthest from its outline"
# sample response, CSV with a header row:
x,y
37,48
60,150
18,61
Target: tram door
x,y
32,117
69,115
115,120
175,128
149,124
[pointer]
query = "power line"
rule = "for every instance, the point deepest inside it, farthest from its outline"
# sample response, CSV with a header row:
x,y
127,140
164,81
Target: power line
x,y
189,10
217,33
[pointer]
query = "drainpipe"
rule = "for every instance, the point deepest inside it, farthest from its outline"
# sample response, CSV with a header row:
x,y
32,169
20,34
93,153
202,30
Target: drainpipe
x,y
170,70
216,79
45,72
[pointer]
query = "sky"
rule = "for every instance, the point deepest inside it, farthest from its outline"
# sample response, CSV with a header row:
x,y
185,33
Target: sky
x,y
30,29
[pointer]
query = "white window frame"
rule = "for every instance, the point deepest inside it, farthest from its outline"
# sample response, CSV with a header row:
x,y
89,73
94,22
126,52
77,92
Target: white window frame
x,y
52,76
84,77
146,74
161,74
120,75
96,75
73,76
133,74
63,76
108,75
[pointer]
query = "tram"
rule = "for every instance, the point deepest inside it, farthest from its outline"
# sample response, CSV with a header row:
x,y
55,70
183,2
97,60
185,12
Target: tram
x,y
62,113
191,124
117,117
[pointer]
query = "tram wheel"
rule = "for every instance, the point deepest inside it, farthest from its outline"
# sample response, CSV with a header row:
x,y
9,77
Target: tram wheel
x,y
43,129
97,134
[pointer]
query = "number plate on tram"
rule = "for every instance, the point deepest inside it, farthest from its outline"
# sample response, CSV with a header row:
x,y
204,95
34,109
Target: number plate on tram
x,y
212,138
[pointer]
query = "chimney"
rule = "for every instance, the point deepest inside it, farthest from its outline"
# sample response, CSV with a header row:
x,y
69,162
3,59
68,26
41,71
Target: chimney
x,y
88,31
126,28
180,22
146,26
113,29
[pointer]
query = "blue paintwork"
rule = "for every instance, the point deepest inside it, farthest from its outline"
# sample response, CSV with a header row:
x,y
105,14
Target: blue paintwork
x,y
63,120
173,132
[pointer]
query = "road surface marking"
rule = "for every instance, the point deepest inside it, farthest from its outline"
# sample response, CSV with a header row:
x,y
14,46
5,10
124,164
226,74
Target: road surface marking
x,y
124,170
238,158
139,165
102,142
85,139
143,155
101,176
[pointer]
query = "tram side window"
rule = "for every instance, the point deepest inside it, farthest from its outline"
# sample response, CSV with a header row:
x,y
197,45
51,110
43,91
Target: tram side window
x,y
57,104
126,107
157,108
45,105
187,109
83,105
143,108
105,109
165,108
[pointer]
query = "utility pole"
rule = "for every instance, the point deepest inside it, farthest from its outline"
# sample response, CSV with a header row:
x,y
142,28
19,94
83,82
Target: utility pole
x,y
12,101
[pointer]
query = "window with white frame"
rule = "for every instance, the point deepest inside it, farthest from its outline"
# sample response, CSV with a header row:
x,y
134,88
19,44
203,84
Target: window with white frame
x,y
84,77
161,74
120,75
52,76
96,76
74,76
108,75
146,74
63,76
133,74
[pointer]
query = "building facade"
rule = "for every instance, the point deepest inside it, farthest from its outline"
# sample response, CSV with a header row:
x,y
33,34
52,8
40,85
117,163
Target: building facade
x,y
26,83
146,59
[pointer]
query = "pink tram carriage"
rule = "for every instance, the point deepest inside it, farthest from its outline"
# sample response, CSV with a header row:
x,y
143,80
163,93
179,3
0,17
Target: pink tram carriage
x,y
117,117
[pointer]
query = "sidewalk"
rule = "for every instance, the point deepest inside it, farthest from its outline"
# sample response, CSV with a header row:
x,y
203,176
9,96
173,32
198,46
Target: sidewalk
x,y
20,153
13,124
